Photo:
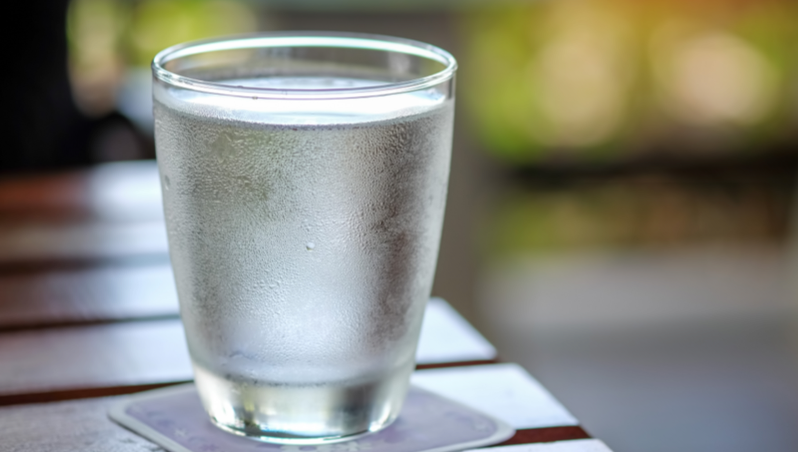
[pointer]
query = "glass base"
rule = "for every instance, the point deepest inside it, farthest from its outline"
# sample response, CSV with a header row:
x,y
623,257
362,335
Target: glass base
x,y
292,439
303,414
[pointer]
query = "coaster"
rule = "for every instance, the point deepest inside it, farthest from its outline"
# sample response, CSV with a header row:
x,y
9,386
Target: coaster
x,y
174,418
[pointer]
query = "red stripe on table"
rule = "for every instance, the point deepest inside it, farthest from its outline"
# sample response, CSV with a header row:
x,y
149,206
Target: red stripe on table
x,y
545,435
78,393
89,295
480,362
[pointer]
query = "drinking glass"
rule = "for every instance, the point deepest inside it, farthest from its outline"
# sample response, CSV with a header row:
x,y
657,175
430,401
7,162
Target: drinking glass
x,y
304,181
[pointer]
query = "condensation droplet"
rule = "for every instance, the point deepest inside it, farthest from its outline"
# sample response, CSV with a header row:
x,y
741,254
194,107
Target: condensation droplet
x,y
310,246
166,182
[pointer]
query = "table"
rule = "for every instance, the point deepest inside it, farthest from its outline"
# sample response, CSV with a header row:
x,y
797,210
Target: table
x,y
88,313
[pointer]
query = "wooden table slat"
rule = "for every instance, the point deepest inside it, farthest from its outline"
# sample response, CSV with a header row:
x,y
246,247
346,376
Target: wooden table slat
x,y
100,356
128,191
110,211
47,197
25,244
86,295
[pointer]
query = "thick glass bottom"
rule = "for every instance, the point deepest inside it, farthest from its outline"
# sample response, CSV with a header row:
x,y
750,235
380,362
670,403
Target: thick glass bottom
x,y
293,439
302,414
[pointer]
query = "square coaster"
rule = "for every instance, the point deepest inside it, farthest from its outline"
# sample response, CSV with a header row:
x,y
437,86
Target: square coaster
x,y
174,418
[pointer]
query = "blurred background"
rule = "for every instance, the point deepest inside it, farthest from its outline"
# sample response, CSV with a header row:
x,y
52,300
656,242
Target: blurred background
x,y
622,199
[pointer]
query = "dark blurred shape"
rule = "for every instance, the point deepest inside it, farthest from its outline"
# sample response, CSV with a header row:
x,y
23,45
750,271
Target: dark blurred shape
x,y
724,204
42,126
62,93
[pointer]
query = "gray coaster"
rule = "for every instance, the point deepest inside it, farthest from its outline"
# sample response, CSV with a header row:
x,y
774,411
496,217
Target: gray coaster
x,y
174,418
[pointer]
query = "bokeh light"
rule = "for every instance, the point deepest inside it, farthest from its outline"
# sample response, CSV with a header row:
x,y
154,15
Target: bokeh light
x,y
109,39
606,80
95,31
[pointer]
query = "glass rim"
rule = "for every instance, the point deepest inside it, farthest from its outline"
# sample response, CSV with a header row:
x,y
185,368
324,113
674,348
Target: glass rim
x,y
305,39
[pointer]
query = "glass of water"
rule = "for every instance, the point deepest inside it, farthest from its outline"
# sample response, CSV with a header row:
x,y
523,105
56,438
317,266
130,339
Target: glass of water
x,y
304,181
